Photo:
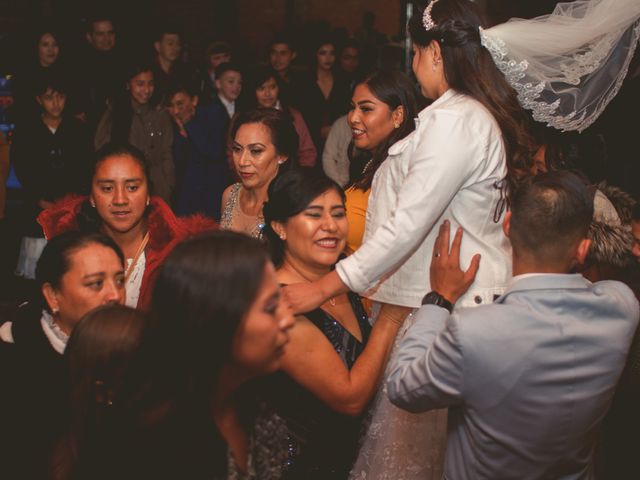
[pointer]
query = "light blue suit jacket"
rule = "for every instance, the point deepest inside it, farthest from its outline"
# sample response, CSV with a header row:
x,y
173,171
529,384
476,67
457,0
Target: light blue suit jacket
x,y
527,379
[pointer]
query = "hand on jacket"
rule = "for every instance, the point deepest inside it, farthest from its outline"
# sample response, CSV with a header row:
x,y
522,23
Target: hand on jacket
x,y
447,278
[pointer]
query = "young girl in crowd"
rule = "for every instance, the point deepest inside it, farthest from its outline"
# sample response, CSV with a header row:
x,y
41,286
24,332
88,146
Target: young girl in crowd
x,y
121,205
98,356
265,86
50,153
334,360
217,321
325,95
134,119
265,143
76,273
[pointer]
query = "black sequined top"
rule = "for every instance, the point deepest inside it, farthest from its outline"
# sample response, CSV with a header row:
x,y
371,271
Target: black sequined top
x,y
322,442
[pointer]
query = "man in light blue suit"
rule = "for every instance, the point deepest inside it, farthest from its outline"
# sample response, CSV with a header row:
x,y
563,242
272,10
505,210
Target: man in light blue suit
x,y
529,378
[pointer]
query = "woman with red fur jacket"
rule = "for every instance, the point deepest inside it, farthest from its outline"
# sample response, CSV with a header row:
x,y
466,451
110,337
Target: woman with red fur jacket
x,y
121,206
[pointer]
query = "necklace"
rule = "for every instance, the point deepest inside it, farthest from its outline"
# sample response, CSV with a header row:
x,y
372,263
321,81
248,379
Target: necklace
x,y
141,248
331,300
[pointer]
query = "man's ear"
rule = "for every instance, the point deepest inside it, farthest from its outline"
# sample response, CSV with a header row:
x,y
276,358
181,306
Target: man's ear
x,y
156,46
506,223
582,250
195,100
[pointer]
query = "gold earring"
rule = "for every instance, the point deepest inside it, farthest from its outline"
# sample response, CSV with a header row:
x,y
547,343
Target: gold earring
x,y
54,311
93,204
283,237
396,125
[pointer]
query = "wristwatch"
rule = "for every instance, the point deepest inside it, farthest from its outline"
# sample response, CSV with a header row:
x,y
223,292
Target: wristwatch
x,y
434,298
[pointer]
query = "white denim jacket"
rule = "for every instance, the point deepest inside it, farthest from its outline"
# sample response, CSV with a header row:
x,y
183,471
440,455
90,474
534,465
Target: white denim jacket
x,y
448,168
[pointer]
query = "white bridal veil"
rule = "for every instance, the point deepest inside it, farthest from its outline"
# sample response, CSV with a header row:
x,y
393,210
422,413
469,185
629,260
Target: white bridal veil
x,y
568,65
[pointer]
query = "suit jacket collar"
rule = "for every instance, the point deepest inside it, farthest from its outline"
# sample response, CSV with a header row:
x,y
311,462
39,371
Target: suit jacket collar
x,y
547,281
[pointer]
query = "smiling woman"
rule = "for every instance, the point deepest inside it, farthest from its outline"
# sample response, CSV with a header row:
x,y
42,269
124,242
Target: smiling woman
x,y
334,358
120,205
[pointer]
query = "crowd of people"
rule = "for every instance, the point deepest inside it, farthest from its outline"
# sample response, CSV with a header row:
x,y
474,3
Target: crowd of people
x,y
263,272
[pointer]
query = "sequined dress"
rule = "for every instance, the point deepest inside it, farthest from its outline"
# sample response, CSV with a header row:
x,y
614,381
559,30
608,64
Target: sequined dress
x,y
232,209
322,442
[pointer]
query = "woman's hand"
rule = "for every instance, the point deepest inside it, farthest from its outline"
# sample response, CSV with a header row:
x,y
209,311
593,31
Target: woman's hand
x,y
305,297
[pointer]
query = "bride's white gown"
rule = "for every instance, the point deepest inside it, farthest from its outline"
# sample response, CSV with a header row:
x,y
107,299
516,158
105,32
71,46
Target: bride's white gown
x,y
399,445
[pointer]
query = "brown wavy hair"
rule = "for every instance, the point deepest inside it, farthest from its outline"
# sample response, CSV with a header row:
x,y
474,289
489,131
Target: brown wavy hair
x,y
469,69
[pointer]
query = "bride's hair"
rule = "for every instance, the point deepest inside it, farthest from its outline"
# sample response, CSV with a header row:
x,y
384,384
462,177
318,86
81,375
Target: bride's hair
x,y
469,69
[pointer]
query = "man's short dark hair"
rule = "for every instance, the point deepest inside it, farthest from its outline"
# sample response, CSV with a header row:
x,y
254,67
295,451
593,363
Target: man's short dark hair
x,y
284,38
166,28
550,212
227,67
97,17
180,87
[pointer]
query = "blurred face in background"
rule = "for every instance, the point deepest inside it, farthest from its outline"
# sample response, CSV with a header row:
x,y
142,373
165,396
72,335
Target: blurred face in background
x,y
169,47
102,36
52,103
216,59
326,56
281,57
48,50
267,93
182,107
229,85
141,87
350,59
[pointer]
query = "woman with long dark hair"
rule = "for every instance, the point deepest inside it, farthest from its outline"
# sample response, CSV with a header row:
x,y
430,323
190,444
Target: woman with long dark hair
x,y
324,96
217,321
134,117
98,356
383,110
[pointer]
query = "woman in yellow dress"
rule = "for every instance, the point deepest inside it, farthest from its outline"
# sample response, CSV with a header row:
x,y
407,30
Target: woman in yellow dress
x,y
383,110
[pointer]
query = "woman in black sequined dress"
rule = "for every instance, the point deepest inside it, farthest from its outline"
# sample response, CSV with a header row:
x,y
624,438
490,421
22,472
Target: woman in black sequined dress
x,y
334,359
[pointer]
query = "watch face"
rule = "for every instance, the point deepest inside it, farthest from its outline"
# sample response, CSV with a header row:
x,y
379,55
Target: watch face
x,y
432,298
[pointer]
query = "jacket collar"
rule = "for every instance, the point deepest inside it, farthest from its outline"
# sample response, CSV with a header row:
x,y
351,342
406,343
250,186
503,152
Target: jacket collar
x,y
546,281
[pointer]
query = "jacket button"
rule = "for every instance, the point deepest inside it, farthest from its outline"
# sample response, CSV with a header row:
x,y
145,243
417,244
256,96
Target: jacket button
x,y
477,299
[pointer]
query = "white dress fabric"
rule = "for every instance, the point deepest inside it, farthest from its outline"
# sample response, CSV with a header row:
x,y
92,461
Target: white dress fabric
x,y
450,167
399,445
568,65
